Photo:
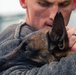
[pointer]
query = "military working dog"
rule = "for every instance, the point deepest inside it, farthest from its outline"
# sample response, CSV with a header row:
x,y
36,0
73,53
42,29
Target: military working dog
x,y
43,46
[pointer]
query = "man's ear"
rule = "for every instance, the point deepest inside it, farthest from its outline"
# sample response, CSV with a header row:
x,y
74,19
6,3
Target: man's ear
x,y
74,6
23,3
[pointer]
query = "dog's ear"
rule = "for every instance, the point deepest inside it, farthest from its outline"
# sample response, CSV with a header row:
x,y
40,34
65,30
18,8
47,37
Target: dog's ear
x,y
59,33
58,25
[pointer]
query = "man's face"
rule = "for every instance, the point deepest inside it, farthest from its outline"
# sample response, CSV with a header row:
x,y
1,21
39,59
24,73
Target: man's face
x,y
41,13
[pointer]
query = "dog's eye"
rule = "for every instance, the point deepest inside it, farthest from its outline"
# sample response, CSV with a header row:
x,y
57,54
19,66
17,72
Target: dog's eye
x,y
24,45
27,48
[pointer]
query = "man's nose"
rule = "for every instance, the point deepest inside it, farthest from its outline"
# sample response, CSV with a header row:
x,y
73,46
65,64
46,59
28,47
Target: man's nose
x,y
53,12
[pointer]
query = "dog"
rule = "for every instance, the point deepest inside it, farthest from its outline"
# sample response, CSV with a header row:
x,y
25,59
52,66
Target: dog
x,y
43,46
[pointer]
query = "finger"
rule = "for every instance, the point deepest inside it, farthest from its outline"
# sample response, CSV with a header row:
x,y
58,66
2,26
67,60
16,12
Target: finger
x,y
72,40
74,48
71,32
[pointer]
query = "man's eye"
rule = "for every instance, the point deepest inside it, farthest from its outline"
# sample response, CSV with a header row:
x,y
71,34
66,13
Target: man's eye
x,y
63,5
43,4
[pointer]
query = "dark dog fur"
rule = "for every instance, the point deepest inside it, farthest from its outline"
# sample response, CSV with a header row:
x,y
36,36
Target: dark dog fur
x,y
43,46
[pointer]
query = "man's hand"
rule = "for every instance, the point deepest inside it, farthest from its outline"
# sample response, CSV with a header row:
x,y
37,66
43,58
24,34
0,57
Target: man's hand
x,y
72,38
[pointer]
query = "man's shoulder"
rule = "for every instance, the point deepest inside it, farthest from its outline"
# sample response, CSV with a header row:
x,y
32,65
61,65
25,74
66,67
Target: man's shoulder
x,y
17,30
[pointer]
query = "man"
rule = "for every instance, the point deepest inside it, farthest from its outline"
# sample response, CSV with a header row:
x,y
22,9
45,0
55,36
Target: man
x,y
40,14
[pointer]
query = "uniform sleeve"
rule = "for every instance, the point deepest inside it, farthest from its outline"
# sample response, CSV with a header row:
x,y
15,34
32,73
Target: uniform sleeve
x,y
66,66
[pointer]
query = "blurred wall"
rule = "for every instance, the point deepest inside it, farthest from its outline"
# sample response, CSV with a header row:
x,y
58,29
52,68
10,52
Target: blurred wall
x,y
7,20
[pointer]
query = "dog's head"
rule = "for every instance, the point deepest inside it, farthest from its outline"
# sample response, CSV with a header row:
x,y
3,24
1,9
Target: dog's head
x,y
48,44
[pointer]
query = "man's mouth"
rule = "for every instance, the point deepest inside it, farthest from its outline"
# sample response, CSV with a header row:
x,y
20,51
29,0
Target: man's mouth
x,y
48,24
